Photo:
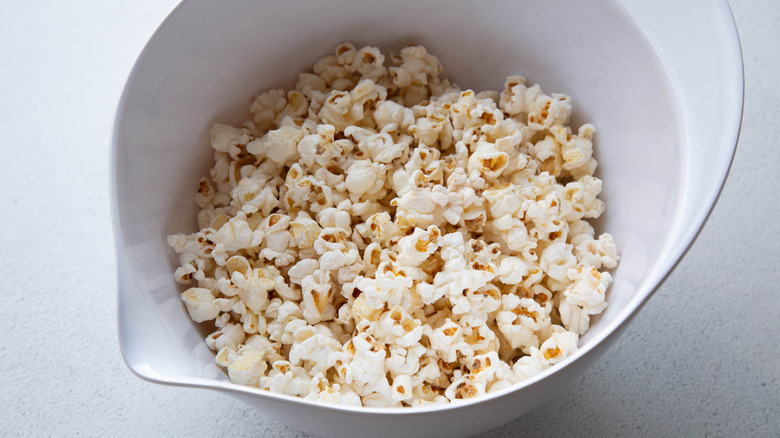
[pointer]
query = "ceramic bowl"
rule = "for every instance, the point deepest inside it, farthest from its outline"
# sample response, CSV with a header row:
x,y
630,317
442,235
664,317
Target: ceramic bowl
x,y
662,81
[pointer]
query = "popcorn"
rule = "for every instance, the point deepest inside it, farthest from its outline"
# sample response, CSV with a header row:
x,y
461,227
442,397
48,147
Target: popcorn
x,y
447,340
527,367
597,252
317,294
576,151
417,67
265,107
483,367
183,274
285,378
234,235
465,387
488,161
557,348
231,335
574,317
247,367
402,387
519,319
368,363
397,327
364,178
390,116
315,345
589,286
406,360
224,137
342,109
556,260
337,394
379,237
304,230
200,304
415,248
301,270
511,270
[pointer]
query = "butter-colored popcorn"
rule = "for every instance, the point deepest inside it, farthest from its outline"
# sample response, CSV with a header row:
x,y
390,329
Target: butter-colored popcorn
x,y
183,274
397,327
200,303
511,270
406,360
254,194
380,228
527,367
231,335
379,147
336,394
364,178
188,247
589,286
379,237
317,293
477,305
336,217
415,248
504,200
390,116
548,152
247,367
316,345
234,235
597,252
417,208
288,313
310,85
519,319
278,145
447,340
483,367
542,111
329,69
301,270
368,363
224,137
337,110
575,318
557,348
369,63
402,387
342,109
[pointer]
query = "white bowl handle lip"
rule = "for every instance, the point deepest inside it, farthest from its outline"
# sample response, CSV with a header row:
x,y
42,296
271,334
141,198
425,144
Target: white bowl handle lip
x,y
659,274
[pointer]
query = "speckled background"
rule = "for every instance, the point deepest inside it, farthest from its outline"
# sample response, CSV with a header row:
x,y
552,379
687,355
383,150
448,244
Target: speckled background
x,y
701,359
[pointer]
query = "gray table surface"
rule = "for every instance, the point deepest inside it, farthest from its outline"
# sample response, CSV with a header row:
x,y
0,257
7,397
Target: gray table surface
x,y
701,359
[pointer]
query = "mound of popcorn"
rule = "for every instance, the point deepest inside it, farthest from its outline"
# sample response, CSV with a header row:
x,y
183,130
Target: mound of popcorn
x,y
378,237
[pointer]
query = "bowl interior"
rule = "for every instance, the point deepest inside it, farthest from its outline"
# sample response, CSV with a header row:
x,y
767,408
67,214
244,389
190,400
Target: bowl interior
x,y
208,60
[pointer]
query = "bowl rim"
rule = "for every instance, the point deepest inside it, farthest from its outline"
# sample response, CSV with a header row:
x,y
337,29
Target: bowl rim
x,y
659,274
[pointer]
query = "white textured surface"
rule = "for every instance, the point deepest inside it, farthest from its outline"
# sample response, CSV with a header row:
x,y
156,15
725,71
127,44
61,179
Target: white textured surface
x,y
702,357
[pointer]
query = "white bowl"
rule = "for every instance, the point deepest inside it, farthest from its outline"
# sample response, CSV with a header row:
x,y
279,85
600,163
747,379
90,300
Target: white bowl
x,y
662,81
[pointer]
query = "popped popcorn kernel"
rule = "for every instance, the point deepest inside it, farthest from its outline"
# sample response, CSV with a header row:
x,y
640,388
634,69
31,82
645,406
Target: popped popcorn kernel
x,y
377,236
